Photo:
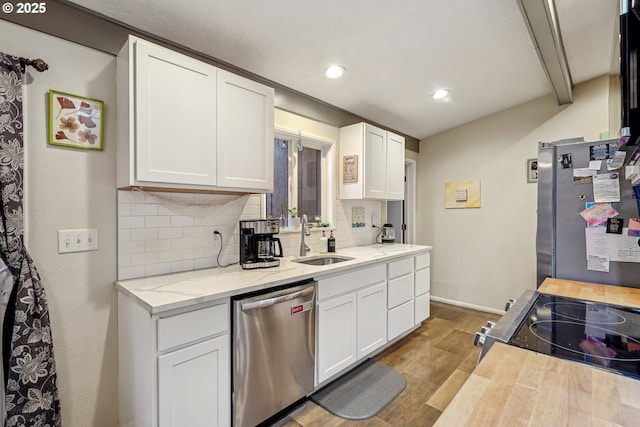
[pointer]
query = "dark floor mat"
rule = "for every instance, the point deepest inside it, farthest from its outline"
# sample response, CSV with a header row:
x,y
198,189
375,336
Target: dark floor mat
x,y
361,393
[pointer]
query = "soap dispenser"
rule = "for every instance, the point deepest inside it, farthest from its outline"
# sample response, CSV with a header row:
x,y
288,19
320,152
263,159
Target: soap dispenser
x,y
331,242
324,243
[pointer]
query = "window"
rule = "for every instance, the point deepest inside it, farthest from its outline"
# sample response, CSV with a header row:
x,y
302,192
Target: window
x,y
302,176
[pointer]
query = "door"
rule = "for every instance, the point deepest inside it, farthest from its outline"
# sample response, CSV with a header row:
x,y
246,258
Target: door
x,y
337,348
193,385
245,133
372,319
175,117
375,162
401,213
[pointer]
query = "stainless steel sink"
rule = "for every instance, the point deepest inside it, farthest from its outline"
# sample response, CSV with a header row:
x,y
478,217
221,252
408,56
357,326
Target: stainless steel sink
x,y
323,259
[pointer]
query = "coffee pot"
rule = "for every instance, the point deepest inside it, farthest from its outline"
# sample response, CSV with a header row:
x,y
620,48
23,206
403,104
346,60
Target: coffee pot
x,y
388,233
259,248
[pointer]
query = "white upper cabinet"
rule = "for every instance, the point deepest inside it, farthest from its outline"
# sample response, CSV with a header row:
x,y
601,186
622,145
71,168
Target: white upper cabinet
x,y
372,163
245,133
185,124
395,167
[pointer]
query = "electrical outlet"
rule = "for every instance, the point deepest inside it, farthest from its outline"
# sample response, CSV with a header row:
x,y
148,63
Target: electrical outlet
x,y
374,220
79,240
216,234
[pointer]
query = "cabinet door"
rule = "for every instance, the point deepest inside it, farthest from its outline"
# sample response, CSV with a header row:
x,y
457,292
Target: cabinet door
x,y
423,281
245,133
422,308
372,319
401,319
193,385
395,167
175,117
336,335
375,167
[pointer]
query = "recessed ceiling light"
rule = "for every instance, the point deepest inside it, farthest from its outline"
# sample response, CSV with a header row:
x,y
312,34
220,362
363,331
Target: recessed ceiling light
x,y
440,93
334,71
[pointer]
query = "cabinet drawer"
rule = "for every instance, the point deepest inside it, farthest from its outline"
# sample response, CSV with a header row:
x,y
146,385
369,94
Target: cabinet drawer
x,y
423,261
400,290
192,326
400,267
350,281
422,307
423,281
400,320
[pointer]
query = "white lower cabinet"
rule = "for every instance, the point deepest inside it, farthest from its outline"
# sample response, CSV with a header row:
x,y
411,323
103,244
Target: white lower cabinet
x,y
400,319
371,323
422,287
174,367
193,385
351,314
361,312
337,348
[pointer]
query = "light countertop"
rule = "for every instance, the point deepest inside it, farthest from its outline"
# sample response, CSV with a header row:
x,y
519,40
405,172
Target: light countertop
x,y
170,291
517,387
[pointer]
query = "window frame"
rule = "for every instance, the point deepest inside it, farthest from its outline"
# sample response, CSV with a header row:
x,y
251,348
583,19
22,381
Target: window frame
x,y
327,147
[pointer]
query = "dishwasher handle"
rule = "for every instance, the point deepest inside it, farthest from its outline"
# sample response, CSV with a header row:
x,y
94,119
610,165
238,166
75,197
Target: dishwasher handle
x,y
248,306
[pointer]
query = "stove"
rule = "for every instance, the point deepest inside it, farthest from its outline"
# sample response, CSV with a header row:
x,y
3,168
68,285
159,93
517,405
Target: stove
x,y
601,335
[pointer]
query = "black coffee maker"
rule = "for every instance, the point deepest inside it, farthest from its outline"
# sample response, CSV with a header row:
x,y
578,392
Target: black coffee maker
x,y
258,244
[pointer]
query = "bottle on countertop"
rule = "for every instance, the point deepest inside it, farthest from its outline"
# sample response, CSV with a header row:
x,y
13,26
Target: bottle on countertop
x,y
324,243
331,242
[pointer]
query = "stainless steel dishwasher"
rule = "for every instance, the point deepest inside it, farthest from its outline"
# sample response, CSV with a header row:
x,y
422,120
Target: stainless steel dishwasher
x,y
273,351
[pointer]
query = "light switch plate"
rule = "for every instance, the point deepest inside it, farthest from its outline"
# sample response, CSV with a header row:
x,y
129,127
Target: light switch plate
x,y
79,240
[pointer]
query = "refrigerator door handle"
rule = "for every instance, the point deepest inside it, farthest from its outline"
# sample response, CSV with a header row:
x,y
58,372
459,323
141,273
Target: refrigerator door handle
x,y
276,300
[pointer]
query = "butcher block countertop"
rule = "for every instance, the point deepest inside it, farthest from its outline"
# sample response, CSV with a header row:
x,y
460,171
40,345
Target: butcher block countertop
x,y
617,295
516,387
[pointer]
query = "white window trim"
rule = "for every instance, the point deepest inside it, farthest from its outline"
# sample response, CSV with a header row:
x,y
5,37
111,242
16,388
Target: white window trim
x,y
327,147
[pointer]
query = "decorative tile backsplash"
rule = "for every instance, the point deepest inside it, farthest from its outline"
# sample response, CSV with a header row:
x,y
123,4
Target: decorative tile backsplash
x,y
161,233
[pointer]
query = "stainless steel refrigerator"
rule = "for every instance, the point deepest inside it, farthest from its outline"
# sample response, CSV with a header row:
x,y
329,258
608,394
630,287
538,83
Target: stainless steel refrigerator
x,y
561,240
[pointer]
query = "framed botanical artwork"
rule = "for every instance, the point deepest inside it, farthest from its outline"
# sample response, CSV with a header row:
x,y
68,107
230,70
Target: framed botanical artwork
x,y
532,170
75,121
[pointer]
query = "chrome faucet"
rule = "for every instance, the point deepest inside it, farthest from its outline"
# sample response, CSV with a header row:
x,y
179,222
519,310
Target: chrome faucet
x,y
304,231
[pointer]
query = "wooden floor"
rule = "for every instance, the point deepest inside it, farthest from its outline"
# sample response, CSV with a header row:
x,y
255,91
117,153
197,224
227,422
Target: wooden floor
x,y
435,360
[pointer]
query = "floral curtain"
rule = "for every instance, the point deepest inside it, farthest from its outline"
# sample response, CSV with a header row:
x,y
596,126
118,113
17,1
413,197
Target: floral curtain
x,y
31,392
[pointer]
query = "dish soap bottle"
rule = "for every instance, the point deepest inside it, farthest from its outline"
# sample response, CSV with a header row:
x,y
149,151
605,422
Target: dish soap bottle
x,y
331,243
324,243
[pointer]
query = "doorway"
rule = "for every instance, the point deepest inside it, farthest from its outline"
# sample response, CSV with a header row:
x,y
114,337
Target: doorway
x,y
402,213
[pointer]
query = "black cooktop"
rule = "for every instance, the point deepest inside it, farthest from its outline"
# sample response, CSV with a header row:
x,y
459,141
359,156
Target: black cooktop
x,y
602,335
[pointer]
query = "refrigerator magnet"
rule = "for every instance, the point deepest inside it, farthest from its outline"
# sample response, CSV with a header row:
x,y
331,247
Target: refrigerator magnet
x,y
614,225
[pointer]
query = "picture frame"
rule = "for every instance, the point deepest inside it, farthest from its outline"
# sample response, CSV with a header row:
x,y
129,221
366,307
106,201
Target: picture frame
x,y
462,194
532,170
76,121
350,169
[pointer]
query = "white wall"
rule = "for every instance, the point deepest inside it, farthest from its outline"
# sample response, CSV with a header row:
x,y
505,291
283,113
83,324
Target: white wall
x,y
484,256
65,189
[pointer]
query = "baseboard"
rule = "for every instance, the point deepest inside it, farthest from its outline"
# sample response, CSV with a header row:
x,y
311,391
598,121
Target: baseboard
x,y
467,305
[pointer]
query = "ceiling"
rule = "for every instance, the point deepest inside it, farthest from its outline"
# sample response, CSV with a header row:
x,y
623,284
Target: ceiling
x,y
397,53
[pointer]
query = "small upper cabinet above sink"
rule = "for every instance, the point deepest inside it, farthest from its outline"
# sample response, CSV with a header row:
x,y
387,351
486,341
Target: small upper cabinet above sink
x,y
372,163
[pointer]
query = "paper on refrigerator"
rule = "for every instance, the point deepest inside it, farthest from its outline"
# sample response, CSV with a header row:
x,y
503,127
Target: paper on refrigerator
x,y
606,187
603,247
597,249
598,213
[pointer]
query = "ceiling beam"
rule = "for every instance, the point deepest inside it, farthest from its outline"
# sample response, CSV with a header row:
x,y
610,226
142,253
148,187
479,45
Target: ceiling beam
x,y
542,22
